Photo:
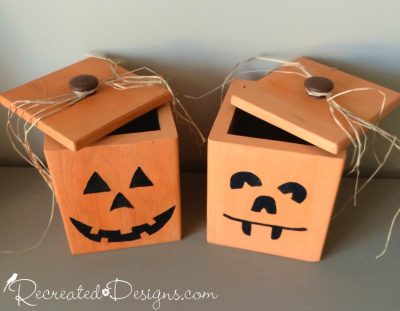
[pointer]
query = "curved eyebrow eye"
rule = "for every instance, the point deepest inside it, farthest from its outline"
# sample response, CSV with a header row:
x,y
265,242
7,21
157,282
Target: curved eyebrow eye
x,y
140,179
299,193
238,180
96,184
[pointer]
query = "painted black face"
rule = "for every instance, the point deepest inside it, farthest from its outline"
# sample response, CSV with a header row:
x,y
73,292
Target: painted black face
x,y
96,184
266,204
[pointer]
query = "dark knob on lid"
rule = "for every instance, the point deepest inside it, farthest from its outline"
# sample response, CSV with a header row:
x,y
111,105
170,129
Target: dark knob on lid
x,y
83,83
318,85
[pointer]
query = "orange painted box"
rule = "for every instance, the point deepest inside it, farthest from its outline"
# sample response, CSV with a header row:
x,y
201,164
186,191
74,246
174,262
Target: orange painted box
x,y
272,181
123,190
112,155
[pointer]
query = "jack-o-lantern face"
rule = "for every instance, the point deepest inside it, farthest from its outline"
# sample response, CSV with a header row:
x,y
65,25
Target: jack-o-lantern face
x,y
123,190
268,190
266,204
263,199
95,185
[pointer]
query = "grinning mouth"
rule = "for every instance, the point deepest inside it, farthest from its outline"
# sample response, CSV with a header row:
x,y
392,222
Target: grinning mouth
x,y
116,236
276,230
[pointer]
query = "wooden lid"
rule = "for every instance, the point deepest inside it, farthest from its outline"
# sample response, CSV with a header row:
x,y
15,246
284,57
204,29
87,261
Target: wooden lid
x,y
281,100
93,117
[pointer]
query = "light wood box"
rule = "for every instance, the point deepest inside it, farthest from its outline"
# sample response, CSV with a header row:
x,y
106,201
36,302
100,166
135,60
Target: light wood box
x,y
267,190
122,191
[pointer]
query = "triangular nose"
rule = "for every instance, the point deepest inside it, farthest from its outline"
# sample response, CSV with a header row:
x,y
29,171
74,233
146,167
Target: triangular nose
x,y
120,201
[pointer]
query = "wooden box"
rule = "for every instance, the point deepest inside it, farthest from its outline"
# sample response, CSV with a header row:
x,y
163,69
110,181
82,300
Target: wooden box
x,y
123,190
276,157
268,190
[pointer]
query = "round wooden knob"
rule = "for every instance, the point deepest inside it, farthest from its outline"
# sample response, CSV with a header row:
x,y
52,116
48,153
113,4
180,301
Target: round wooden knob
x,y
83,83
318,85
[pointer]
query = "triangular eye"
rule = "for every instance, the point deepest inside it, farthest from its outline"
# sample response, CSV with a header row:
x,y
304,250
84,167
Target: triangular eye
x,y
96,184
140,179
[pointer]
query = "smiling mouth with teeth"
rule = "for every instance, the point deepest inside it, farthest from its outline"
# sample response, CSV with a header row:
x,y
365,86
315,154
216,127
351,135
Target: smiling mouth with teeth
x,y
117,236
276,230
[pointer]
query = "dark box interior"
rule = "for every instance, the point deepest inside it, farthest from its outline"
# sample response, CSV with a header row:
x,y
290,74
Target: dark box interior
x,y
245,124
145,123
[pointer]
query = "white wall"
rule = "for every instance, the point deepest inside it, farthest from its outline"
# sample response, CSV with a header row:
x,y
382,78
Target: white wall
x,y
194,43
